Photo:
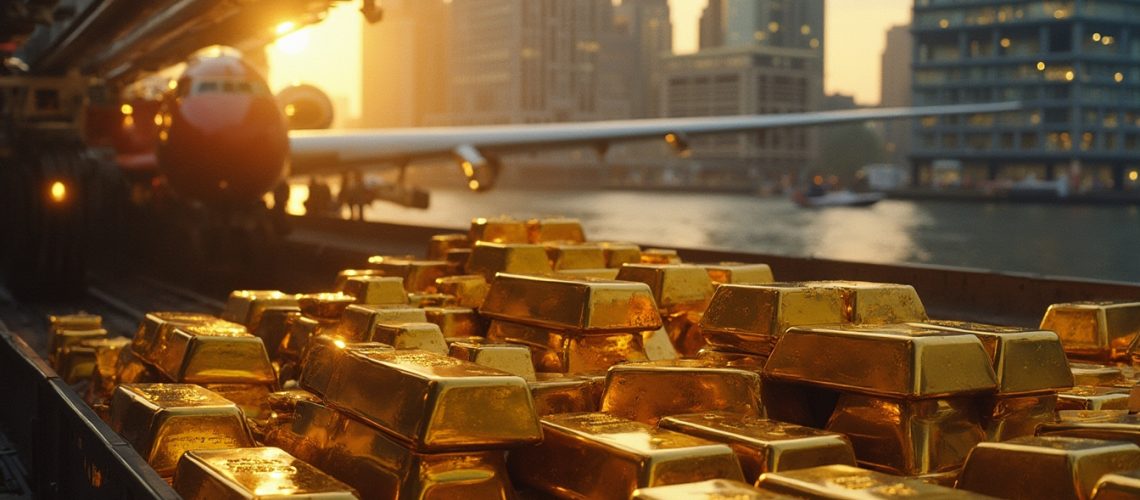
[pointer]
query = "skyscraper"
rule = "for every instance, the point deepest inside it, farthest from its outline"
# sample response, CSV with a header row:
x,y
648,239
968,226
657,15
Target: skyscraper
x,y
775,23
712,25
647,24
896,71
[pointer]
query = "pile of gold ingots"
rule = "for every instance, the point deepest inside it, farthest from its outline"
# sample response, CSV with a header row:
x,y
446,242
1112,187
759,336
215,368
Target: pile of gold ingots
x,y
520,361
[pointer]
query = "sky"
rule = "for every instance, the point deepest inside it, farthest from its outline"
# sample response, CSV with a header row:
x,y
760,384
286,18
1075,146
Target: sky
x,y
328,54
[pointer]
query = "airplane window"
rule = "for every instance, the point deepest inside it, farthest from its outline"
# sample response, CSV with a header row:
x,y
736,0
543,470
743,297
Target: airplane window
x,y
244,87
206,87
228,87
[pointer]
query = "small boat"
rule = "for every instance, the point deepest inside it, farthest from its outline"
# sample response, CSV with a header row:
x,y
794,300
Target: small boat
x,y
844,198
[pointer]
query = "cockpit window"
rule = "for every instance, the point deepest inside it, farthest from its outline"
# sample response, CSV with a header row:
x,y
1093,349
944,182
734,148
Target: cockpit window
x,y
230,87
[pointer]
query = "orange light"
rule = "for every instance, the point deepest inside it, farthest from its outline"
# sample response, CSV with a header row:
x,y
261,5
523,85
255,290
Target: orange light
x,y
290,110
339,343
286,27
817,180
473,184
58,192
127,109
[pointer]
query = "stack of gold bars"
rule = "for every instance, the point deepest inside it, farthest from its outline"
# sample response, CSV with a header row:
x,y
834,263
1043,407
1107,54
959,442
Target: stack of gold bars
x,y
521,361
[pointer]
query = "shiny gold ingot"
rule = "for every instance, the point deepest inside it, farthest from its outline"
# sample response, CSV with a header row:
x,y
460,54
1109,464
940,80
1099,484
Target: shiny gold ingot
x,y
561,352
296,340
441,243
739,273
162,421
619,253
510,358
578,274
648,391
1072,416
1085,397
585,306
274,326
675,286
1121,485
376,290
1007,417
131,369
1118,426
156,326
329,306
721,356
253,399
379,466
359,320
558,393
416,299
105,371
215,353
750,318
658,347
844,482
600,456
908,436
876,303
567,256
887,360
713,489
456,321
344,275
1045,467
433,402
457,258
245,306
1094,330
555,229
418,275
659,256
1024,360
70,329
422,336
497,230
253,473
488,259
324,356
469,290
765,445
1098,375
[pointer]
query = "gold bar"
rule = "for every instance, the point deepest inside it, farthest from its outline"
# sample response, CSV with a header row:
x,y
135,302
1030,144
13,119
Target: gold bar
x,y
721,356
713,489
1118,427
659,256
418,275
798,403
63,339
510,358
378,466
908,436
456,321
739,273
376,290
457,258
751,318
558,393
1100,331
887,360
1121,485
1007,417
765,445
70,329
567,256
600,456
561,352
675,287
441,243
1045,467
253,473
469,290
344,275
423,336
577,274
216,353
161,421
296,342
359,320
844,482
555,229
324,356
635,390
1069,416
489,259
618,253
1098,375
876,303
274,326
1085,397
156,326
131,369
253,399
329,306
105,372
442,403
572,305
498,230
245,306
416,299
658,346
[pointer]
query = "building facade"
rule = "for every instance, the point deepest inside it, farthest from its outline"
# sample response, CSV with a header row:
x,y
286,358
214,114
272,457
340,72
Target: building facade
x,y
645,26
895,91
777,23
750,79
405,68
1075,64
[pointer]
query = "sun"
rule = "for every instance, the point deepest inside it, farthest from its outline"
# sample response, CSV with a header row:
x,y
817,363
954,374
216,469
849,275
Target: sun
x,y
294,43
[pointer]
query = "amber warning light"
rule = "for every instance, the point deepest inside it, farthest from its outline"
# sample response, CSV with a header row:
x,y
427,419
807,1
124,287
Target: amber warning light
x,y
58,192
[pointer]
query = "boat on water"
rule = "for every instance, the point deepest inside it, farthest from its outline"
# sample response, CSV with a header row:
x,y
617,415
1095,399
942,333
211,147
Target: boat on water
x,y
843,198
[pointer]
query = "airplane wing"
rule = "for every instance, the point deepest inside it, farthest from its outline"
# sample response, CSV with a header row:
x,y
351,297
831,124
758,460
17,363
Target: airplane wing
x,y
476,147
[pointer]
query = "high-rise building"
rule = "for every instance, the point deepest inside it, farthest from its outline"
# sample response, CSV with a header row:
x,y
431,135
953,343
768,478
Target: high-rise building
x,y
748,79
405,64
712,25
777,23
532,61
895,91
1075,64
646,23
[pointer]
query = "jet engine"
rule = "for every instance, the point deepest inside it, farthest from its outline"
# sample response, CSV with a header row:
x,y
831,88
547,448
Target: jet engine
x,y
306,107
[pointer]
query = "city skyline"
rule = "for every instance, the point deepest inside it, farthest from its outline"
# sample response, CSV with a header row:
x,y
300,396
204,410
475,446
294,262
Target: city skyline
x,y
855,34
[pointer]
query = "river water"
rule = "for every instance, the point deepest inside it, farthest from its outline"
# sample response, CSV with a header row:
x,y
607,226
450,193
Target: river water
x,y
1078,241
